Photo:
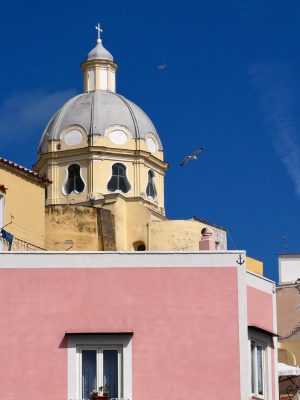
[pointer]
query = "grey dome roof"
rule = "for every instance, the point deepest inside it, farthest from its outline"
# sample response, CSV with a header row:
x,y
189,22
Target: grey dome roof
x,y
99,53
97,111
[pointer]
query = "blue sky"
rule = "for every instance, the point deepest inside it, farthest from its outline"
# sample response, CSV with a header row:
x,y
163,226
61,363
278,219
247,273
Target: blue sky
x,y
231,84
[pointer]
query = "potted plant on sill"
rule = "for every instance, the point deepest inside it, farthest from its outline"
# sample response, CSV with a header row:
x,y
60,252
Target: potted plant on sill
x,y
101,394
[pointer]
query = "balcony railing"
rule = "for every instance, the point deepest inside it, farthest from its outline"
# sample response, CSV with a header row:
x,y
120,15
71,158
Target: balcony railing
x,y
19,245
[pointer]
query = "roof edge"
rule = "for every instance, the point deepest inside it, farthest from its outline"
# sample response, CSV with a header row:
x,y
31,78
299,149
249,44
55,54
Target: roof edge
x,y
209,223
22,170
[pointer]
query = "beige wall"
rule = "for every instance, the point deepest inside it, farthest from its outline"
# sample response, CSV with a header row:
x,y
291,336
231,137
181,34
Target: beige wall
x,y
289,352
288,309
175,235
181,235
24,199
118,208
134,220
131,220
72,227
288,317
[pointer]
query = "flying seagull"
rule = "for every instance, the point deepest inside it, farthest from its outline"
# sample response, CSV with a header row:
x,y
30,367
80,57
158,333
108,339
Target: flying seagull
x,y
162,66
192,156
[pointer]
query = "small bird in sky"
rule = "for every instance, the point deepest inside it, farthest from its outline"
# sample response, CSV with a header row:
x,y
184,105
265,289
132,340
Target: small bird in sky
x,y
192,156
285,242
162,66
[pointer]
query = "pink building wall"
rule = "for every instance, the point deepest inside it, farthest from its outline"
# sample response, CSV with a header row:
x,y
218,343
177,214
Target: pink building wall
x,y
260,310
186,323
264,318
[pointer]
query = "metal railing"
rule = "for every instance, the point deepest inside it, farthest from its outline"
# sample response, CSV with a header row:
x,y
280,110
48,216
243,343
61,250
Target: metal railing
x,y
19,245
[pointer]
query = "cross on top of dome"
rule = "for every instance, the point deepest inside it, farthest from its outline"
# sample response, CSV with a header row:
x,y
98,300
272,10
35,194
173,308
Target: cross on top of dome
x,y
98,28
99,52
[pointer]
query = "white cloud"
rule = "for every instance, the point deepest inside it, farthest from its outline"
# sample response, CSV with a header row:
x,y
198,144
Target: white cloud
x,y
274,88
25,114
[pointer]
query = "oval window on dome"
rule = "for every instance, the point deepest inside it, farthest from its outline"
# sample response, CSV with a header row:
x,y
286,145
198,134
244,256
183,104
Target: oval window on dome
x,y
73,137
118,136
151,144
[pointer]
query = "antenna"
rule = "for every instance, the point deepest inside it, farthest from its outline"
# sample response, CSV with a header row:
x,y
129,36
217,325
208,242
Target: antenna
x,y
11,221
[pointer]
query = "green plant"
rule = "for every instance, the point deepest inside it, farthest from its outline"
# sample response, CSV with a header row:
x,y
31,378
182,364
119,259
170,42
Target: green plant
x,y
94,393
102,391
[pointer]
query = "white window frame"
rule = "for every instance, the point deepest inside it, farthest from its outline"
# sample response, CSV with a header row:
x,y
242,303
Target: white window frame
x,y
99,358
126,176
265,342
105,341
67,178
255,371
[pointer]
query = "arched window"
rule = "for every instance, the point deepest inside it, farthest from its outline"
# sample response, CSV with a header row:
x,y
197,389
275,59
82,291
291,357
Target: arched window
x,y
118,180
139,246
74,182
151,190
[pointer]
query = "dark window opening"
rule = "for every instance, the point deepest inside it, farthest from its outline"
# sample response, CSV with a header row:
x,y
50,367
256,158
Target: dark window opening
x,y
151,190
118,180
139,246
74,182
100,367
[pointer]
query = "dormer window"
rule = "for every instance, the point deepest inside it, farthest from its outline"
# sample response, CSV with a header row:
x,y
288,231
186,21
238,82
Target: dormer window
x,y
118,180
74,182
151,190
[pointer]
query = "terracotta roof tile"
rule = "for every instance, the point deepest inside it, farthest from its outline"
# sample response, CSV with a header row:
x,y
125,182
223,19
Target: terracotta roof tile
x,y
24,170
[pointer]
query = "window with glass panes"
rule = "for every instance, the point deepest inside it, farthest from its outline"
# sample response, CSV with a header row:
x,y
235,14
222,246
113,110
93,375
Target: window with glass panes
x,y
118,180
74,182
150,189
257,369
99,366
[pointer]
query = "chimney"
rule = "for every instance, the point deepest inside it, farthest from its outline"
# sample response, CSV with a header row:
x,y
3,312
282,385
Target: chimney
x,y
207,242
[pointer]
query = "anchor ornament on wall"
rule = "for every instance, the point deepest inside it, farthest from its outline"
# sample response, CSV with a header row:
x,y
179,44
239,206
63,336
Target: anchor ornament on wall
x,y
240,260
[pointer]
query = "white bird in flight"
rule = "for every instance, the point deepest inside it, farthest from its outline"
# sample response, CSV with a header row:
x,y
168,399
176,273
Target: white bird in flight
x,y
162,66
192,156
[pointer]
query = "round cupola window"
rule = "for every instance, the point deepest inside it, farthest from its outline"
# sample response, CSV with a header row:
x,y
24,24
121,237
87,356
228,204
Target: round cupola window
x,y
151,144
73,137
117,136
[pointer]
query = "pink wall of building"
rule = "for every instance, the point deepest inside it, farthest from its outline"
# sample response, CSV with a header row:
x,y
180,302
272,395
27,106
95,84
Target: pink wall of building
x,y
185,323
260,309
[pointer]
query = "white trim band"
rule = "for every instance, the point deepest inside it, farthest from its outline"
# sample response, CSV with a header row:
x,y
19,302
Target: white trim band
x,y
119,259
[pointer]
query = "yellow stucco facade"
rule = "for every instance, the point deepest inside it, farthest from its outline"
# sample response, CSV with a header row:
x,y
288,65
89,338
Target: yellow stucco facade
x,y
289,352
23,204
118,223
254,265
95,161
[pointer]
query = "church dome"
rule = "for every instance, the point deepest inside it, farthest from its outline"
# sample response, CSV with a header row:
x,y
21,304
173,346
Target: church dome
x,y
97,111
99,53
100,146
